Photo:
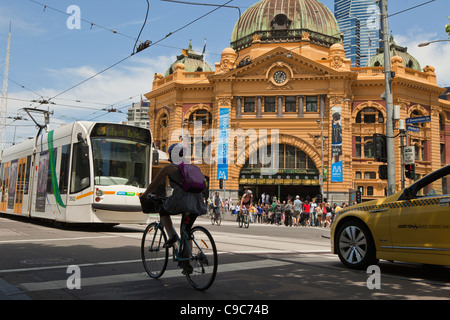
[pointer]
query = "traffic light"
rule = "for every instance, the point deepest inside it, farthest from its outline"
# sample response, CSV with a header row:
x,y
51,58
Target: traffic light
x,y
379,147
410,171
358,196
382,171
220,183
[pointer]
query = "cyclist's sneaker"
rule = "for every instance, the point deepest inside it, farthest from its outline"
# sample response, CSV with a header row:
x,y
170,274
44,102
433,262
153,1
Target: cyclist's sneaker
x,y
187,269
186,266
170,242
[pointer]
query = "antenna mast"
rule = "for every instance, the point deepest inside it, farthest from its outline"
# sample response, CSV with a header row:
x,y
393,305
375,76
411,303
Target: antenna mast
x,y
4,102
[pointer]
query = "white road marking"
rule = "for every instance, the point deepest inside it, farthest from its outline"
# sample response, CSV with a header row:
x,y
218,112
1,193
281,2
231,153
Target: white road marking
x,y
142,276
56,239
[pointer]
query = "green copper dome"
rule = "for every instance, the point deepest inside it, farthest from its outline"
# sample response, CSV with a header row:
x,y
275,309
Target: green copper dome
x,y
286,21
192,61
408,60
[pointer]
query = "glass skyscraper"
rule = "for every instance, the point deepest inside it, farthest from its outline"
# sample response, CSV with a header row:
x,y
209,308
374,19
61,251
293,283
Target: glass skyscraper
x,y
359,21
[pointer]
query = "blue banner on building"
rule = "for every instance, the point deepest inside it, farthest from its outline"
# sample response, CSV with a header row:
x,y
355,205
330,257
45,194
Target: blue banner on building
x,y
336,147
222,152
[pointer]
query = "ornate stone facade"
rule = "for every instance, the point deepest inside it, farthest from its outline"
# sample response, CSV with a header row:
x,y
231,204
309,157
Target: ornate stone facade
x,y
291,90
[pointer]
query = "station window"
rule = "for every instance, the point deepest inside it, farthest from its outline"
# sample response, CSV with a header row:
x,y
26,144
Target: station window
x,y
290,104
249,104
311,104
269,104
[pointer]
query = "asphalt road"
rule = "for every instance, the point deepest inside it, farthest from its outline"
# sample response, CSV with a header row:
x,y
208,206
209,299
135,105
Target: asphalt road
x,y
263,262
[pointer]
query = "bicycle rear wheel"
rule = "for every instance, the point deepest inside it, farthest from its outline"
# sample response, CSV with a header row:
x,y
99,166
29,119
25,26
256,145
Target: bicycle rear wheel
x,y
204,259
154,255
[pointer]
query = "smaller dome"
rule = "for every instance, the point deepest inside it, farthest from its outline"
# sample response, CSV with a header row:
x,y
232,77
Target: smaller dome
x,y
192,62
396,51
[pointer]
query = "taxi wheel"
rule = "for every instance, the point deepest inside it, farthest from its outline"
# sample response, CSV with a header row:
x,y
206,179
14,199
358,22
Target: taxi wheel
x,y
355,246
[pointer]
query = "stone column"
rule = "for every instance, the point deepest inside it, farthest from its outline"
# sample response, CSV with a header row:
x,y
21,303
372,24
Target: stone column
x,y
259,106
238,107
279,106
300,106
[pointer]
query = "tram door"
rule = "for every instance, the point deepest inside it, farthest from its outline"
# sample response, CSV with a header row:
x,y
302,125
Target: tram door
x,y
5,184
21,185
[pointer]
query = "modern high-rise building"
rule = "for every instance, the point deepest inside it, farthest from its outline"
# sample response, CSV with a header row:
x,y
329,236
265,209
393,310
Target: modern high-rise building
x,y
138,115
359,21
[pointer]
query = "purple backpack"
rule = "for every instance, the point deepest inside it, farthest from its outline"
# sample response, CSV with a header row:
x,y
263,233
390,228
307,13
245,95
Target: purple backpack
x,y
192,178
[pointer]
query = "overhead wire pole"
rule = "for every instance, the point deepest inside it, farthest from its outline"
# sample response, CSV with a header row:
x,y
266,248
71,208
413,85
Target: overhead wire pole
x,y
4,102
390,143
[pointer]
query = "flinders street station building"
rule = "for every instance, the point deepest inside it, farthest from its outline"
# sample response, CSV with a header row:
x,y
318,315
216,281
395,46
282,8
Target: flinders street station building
x,y
284,113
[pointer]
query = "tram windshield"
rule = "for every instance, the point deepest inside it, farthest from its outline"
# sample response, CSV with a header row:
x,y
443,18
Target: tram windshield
x,y
120,162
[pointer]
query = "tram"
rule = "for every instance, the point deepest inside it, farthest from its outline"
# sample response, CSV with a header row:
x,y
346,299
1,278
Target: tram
x,y
84,172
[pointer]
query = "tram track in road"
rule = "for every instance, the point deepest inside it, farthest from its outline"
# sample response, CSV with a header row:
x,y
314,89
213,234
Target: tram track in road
x,y
262,251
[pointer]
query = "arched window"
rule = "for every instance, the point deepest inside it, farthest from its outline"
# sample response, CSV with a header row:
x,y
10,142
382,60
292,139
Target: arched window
x,y
199,143
201,115
415,114
289,158
370,115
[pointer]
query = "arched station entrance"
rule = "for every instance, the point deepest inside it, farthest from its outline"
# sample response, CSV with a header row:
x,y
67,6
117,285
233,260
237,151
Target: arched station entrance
x,y
296,174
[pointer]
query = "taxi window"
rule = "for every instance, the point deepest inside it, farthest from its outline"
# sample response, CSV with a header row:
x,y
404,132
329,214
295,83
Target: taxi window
x,y
439,187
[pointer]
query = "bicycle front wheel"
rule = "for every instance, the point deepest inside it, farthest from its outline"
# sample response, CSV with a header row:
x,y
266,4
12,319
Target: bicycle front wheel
x,y
204,259
247,221
154,255
219,219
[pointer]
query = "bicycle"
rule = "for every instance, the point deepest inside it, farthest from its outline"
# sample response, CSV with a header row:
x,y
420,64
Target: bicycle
x,y
195,251
216,217
243,218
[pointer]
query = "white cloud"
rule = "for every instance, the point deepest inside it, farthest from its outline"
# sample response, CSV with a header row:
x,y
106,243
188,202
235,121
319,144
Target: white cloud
x,y
124,83
435,54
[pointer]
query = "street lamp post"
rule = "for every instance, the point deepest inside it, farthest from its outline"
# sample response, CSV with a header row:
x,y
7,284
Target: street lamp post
x,y
429,42
390,145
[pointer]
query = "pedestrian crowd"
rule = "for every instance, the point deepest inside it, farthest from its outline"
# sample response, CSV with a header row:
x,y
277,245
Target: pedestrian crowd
x,y
289,212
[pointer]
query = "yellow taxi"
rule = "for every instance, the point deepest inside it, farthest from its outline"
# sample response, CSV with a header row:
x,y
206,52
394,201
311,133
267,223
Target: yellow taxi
x,y
412,225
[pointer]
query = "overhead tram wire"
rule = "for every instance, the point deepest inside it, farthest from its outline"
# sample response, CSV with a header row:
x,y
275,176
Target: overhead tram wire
x,y
128,57
140,32
92,24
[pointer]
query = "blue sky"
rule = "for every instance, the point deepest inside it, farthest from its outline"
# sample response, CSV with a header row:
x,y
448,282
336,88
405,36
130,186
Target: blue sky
x,y
48,58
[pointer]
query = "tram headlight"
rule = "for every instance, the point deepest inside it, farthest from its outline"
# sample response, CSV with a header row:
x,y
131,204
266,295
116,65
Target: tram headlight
x,y
99,192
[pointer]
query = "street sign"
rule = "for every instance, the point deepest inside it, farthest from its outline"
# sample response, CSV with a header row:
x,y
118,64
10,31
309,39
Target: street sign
x,y
408,155
413,129
418,120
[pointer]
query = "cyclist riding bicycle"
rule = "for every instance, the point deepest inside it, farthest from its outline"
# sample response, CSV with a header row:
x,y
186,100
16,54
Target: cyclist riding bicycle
x,y
180,201
216,201
246,202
